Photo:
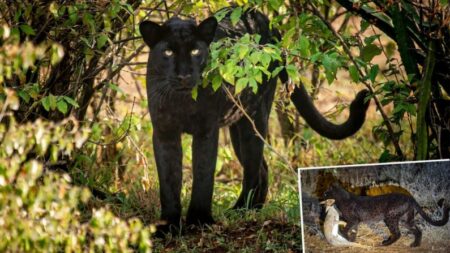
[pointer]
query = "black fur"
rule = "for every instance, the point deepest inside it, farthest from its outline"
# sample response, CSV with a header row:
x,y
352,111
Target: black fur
x,y
389,208
173,112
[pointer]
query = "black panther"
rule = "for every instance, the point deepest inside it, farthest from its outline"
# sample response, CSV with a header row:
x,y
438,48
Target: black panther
x,y
178,55
389,208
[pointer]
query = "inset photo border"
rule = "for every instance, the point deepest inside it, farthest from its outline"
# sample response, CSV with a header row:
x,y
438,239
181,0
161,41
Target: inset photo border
x,y
389,207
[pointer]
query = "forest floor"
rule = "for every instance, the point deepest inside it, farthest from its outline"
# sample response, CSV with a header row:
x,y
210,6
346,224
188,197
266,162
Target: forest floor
x,y
274,228
372,240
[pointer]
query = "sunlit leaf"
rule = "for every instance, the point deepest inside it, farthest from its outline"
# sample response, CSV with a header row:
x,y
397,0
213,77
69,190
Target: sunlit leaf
x,y
62,106
236,15
370,51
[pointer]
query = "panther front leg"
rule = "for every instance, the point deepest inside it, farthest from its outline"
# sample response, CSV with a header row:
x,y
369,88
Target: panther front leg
x,y
350,230
204,156
168,156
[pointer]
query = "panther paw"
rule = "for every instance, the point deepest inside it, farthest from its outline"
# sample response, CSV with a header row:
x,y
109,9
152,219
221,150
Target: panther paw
x,y
199,220
163,230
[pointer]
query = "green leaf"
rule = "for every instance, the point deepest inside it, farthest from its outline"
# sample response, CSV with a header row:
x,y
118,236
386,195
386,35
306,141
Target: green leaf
x,y
114,87
275,4
387,157
287,37
293,73
236,15
370,51
255,57
331,65
354,73
277,70
27,29
258,76
240,85
62,106
24,95
73,14
252,83
221,14
364,25
101,40
227,71
265,60
71,101
373,72
57,54
216,82
410,108
46,103
88,20
52,100
264,70
194,92
242,51
304,46
371,39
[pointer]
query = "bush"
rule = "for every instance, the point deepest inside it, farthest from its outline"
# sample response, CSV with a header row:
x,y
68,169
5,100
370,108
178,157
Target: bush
x,y
39,211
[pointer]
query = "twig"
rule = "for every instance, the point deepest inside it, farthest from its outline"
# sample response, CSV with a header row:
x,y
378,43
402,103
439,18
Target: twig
x,y
119,67
258,134
368,85
125,134
136,147
133,63
167,9
5,106
127,39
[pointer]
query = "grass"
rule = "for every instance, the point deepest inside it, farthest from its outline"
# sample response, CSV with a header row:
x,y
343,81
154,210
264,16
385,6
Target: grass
x,y
274,228
126,171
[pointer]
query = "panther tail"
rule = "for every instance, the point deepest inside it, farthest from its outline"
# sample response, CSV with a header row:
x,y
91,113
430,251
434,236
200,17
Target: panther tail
x,y
437,223
320,124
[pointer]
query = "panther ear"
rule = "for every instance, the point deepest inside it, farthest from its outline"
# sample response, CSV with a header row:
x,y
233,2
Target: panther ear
x,y
207,29
151,32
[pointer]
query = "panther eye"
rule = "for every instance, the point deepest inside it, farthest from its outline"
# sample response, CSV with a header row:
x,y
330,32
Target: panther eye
x,y
195,52
168,52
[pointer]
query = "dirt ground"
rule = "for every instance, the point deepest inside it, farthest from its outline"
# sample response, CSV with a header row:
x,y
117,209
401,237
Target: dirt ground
x,y
315,243
271,236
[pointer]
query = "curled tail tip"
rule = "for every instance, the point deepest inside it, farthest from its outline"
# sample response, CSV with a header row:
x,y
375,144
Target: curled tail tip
x,y
361,98
360,104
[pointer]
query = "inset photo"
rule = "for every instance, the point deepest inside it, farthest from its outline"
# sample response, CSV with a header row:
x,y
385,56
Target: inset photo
x,y
391,207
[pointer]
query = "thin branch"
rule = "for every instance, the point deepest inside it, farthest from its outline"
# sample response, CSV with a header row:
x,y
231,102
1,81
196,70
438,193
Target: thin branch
x,y
133,63
368,85
167,9
119,67
127,39
125,134
382,25
258,134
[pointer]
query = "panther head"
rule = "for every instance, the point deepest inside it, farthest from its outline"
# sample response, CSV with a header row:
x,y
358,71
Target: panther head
x,y
178,52
335,191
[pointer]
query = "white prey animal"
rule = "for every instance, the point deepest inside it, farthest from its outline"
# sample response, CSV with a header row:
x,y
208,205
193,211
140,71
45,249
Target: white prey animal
x,y
331,227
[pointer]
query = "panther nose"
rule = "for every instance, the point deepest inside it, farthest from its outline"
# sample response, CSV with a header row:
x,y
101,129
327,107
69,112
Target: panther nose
x,y
184,78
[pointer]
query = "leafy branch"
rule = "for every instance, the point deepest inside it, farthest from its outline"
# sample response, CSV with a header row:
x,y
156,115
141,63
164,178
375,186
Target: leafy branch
x,y
386,120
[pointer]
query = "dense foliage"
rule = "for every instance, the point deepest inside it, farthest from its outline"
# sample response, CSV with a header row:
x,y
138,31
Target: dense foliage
x,y
40,209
